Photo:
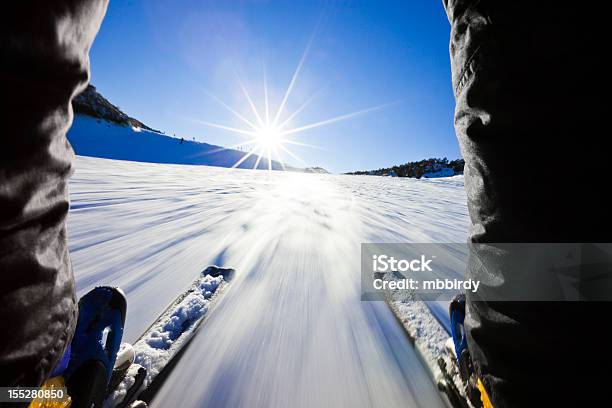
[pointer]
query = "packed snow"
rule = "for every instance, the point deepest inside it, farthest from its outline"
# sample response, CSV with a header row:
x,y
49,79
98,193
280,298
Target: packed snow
x,y
166,336
291,330
428,335
122,389
164,339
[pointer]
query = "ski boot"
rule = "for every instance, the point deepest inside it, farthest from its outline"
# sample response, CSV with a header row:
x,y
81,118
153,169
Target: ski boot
x,y
86,367
95,345
474,388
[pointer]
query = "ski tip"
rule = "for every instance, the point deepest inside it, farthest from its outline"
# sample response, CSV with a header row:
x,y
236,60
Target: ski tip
x,y
215,271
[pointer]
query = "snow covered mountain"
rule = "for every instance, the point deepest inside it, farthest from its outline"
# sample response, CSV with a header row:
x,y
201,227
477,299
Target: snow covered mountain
x,y
91,103
101,129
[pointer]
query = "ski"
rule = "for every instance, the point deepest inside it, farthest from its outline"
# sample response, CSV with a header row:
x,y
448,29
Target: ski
x,y
433,343
166,337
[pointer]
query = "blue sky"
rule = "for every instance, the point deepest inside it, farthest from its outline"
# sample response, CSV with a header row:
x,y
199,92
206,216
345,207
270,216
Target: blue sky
x,y
161,61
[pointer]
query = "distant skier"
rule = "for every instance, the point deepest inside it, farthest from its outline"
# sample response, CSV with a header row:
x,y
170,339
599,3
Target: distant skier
x,y
528,82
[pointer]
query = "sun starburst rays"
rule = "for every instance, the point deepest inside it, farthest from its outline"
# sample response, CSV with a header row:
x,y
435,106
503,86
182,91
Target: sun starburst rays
x,y
269,130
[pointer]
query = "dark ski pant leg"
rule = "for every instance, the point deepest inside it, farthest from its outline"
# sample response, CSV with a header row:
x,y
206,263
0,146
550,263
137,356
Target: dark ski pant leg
x,y
44,63
528,79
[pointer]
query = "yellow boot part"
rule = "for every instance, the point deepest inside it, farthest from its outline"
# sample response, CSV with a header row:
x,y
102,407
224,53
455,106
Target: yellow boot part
x,y
484,397
50,384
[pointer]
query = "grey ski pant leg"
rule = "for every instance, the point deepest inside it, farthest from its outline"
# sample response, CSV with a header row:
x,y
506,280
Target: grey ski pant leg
x,y
44,63
528,79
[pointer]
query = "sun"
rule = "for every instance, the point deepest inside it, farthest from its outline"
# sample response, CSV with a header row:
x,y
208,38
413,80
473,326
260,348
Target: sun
x,y
268,133
269,137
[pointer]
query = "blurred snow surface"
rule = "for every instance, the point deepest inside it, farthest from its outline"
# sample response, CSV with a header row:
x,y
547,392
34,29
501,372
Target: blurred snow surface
x,y
291,331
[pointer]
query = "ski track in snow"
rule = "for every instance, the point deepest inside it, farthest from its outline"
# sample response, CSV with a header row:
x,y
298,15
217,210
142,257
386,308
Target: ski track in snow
x,y
291,331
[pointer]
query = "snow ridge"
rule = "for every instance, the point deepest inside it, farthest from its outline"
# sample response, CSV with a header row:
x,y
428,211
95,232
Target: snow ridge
x,y
173,329
431,340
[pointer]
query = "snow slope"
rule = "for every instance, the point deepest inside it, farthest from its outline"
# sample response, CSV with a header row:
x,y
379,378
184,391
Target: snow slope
x,y
94,137
291,331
